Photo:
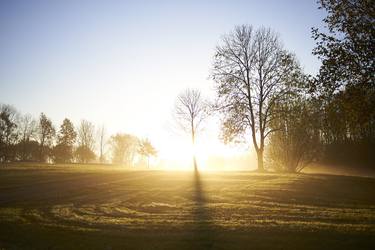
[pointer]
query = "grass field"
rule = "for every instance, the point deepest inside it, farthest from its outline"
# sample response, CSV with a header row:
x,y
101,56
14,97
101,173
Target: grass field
x,y
98,207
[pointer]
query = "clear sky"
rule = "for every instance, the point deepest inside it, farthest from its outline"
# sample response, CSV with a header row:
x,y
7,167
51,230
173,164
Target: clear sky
x,y
122,63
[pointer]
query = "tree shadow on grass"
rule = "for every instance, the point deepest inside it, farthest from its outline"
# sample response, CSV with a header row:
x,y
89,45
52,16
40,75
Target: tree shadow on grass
x,y
203,236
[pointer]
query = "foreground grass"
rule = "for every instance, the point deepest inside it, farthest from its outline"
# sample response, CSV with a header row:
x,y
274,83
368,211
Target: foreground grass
x,y
97,207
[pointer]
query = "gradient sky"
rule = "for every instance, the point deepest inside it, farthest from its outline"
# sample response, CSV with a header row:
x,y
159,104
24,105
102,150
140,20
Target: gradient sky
x,y
122,63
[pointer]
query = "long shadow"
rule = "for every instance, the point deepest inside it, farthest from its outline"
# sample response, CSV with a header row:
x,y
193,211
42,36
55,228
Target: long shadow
x,y
203,235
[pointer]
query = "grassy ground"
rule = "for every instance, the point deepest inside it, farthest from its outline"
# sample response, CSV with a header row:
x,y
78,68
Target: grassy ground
x,y
82,207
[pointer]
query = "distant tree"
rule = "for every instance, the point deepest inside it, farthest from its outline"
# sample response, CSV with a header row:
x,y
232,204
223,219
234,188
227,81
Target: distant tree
x,y
84,154
27,130
67,135
32,152
86,142
8,132
102,143
146,149
45,136
124,148
63,151
190,111
252,71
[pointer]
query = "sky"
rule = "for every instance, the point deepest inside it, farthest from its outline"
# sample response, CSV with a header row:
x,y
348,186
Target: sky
x,y
122,63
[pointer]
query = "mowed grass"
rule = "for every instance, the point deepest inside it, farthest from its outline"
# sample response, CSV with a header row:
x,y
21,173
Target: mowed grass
x,y
101,207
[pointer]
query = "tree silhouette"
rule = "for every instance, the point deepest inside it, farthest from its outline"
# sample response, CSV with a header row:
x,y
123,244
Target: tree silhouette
x,y
146,149
124,148
347,50
102,143
190,111
345,85
86,142
8,132
252,72
63,151
27,128
46,133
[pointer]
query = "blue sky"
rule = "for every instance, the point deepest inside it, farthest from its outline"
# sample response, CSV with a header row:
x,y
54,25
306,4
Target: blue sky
x,y
122,63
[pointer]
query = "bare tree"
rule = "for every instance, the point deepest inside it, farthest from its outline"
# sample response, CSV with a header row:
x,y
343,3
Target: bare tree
x,y
86,134
190,111
86,142
27,130
124,148
250,68
102,143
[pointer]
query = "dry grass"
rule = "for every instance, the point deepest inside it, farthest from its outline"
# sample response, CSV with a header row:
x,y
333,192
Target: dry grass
x,y
99,207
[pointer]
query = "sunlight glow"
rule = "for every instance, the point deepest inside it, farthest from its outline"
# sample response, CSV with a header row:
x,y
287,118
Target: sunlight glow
x,y
211,155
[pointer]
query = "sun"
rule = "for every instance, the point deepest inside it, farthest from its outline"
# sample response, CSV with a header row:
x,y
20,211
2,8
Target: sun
x,y
211,154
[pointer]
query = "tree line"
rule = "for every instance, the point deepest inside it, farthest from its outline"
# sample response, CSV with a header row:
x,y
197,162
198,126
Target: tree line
x,y
333,122
23,138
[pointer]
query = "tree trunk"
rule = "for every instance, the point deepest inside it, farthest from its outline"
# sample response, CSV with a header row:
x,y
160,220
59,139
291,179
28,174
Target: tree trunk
x,y
195,163
193,143
260,160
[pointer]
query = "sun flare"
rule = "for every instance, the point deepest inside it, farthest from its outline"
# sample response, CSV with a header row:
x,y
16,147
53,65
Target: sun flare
x,y
211,155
